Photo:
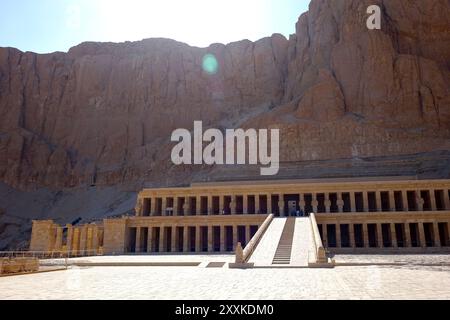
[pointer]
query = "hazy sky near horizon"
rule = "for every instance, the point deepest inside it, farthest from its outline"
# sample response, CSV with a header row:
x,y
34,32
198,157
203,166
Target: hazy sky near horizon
x,y
56,25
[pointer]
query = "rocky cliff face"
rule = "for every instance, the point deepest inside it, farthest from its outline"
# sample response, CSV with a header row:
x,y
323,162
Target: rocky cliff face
x,y
336,90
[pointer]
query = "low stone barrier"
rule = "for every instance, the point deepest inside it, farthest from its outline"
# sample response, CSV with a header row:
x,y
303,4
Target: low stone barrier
x,y
320,253
243,255
251,245
18,265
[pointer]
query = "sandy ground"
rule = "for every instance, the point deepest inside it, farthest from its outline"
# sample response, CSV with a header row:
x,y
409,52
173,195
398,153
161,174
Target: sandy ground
x,y
223,283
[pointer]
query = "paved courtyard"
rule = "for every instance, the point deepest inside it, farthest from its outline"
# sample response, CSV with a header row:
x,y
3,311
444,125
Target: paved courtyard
x,y
362,282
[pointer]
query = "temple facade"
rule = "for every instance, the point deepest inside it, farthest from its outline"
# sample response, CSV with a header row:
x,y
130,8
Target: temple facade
x,y
355,215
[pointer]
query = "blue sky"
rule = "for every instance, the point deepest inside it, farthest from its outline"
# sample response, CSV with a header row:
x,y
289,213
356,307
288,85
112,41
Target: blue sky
x,y
56,25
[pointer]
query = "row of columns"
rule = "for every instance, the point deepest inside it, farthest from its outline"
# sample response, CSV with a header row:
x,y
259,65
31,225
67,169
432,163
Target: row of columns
x,y
82,240
186,237
419,202
187,207
406,236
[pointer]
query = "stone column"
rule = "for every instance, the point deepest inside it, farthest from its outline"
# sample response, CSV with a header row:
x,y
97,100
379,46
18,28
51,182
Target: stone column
x,y
405,200
175,206
245,204
95,239
315,203
69,238
210,205
325,235
198,205
233,204
281,206
197,239
423,243
394,236
379,235
173,240
437,240
446,199
222,239
327,203
338,236
235,236
58,241
366,201
221,204
210,239
378,201
83,239
352,201
302,202
351,234
269,203
433,200
407,235
153,206
139,207
247,235
76,241
391,200
150,239
89,240
366,235
186,206
164,206
138,239
340,202
162,237
257,204
419,201
185,239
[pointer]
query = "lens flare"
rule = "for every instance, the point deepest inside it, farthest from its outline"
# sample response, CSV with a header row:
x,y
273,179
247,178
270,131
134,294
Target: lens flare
x,y
210,64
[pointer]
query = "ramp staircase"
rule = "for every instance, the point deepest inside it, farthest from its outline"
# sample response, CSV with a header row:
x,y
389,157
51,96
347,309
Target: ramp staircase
x,y
284,249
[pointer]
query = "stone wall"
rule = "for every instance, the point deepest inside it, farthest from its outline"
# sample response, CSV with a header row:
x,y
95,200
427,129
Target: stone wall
x,y
18,265
115,233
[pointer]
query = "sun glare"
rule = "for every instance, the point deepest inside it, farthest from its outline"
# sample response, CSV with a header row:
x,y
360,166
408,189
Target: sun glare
x,y
197,22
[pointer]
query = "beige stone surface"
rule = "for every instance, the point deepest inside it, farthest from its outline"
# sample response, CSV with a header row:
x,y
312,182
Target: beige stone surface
x,y
267,246
209,283
203,258
410,259
302,244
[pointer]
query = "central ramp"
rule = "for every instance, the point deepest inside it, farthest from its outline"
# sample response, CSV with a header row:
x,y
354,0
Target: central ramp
x,y
283,253
265,251
288,242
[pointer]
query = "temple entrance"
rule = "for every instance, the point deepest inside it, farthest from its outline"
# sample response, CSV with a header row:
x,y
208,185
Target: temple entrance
x,y
291,204
292,208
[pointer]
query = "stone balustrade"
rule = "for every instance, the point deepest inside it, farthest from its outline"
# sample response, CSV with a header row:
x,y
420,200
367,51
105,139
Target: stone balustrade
x,y
320,255
251,246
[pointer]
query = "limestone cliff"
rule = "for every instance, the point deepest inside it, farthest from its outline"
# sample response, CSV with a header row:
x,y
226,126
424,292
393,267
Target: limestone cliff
x,y
102,113
105,111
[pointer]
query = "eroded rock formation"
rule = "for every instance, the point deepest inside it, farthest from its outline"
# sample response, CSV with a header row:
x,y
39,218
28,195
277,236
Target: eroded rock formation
x,y
103,112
